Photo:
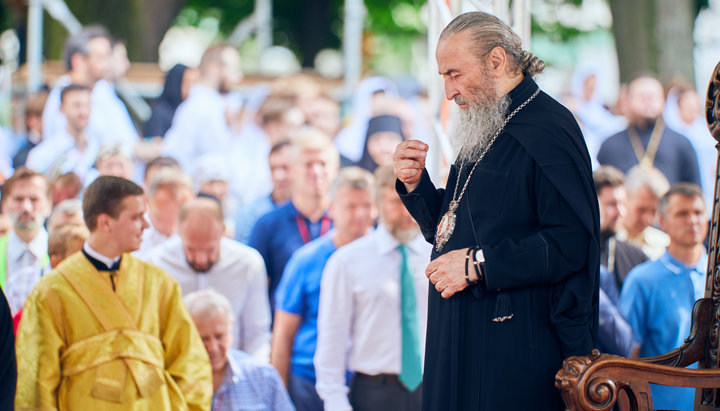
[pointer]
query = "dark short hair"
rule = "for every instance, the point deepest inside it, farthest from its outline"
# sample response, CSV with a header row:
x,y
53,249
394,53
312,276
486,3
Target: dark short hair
x,y
104,196
607,176
23,173
78,42
279,146
687,190
71,88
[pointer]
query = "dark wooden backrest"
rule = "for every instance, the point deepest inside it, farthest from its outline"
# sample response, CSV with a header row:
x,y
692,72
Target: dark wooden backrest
x,y
594,382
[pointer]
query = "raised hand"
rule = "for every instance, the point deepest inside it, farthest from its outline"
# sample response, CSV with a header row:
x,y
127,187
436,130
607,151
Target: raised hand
x,y
409,162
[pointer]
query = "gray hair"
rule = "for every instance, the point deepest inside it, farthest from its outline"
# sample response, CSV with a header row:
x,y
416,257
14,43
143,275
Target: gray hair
x,y
384,178
171,178
652,178
488,32
78,43
208,302
687,190
68,207
351,177
311,139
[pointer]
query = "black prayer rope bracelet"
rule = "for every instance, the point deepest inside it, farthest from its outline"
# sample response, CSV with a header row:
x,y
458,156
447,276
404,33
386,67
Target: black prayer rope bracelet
x,y
471,253
478,264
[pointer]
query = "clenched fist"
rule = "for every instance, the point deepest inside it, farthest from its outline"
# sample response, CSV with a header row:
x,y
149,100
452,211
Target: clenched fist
x,y
409,162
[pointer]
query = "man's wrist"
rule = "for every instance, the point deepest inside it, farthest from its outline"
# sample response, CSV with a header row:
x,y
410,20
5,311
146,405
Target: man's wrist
x,y
478,263
411,187
473,270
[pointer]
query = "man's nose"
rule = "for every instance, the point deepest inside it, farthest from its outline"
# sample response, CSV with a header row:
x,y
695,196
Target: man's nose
x,y
26,205
450,92
211,345
200,259
317,169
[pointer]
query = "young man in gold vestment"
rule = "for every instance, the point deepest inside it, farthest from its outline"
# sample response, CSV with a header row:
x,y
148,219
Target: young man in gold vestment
x,y
107,331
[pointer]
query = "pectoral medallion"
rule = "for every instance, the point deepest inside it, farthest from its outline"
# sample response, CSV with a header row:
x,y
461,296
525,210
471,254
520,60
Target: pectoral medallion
x,y
447,222
446,227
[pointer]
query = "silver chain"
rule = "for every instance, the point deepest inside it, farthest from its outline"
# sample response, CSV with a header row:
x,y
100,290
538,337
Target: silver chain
x,y
487,147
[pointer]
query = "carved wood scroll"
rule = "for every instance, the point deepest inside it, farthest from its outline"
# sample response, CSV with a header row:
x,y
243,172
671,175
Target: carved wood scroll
x,y
594,382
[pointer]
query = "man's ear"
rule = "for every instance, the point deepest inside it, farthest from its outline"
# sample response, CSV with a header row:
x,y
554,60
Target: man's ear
x,y
55,260
661,221
103,222
498,60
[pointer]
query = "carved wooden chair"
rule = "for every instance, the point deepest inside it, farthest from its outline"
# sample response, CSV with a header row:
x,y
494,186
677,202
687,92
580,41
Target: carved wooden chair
x,y
595,382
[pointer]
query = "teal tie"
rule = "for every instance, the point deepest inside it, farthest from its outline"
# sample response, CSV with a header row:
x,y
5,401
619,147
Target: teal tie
x,y
411,368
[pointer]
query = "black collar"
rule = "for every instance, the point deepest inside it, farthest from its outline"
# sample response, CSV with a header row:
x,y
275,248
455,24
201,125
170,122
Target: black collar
x,y
99,265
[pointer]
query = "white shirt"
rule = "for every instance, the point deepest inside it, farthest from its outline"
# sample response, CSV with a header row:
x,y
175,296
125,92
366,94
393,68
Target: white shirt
x,y
58,155
151,238
25,264
359,317
109,262
250,177
199,127
109,118
239,274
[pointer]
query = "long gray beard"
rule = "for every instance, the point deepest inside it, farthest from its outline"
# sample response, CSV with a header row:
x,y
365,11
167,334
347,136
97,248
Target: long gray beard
x,y
475,128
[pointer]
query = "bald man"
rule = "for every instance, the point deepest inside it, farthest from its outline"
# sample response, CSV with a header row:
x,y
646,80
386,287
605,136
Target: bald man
x,y
200,257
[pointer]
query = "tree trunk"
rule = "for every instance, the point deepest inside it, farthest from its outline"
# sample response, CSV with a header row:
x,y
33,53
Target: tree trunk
x,y
674,34
654,37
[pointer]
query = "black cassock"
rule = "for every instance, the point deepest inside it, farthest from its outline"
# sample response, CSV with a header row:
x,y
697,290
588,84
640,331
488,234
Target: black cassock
x,y
532,208
8,365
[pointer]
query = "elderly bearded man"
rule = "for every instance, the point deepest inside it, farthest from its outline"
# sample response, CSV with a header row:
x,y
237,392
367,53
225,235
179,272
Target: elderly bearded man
x,y
515,232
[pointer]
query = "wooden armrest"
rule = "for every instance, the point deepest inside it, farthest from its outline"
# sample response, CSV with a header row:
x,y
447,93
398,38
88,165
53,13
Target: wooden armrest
x,y
593,382
694,347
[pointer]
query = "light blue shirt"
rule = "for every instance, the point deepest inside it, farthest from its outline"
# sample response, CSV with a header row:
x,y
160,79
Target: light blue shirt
x,y
250,385
248,214
299,293
657,300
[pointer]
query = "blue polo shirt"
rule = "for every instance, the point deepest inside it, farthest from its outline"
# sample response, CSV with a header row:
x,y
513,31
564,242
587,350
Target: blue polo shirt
x,y
299,293
657,300
277,235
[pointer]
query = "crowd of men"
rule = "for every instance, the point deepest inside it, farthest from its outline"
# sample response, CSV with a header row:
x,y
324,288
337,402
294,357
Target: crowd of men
x,y
259,227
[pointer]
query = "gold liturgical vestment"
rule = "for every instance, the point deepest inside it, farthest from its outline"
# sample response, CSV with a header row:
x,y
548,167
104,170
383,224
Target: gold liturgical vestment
x,y
83,346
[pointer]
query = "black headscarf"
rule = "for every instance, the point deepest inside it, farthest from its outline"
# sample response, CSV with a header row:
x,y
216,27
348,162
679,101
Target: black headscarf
x,y
379,124
165,105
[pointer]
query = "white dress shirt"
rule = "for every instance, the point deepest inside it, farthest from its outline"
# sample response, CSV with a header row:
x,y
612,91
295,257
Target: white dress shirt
x,y
239,274
59,155
250,176
25,264
109,262
109,118
359,318
151,238
199,127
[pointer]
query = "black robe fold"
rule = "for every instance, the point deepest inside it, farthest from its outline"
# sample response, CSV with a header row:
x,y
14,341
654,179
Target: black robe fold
x,y
532,207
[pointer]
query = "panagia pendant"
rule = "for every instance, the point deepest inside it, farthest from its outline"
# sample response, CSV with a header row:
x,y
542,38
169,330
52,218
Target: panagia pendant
x,y
446,227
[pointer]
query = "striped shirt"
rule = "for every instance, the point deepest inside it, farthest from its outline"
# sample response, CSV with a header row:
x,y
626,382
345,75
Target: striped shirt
x,y
250,385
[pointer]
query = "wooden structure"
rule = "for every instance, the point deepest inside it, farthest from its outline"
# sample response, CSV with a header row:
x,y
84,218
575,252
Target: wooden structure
x,y
595,382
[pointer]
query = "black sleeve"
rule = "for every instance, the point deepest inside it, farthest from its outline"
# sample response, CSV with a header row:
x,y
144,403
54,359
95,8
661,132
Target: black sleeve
x,y
8,365
557,250
423,203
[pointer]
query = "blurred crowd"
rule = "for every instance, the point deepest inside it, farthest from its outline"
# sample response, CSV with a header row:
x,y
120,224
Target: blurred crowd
x,y
250,192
